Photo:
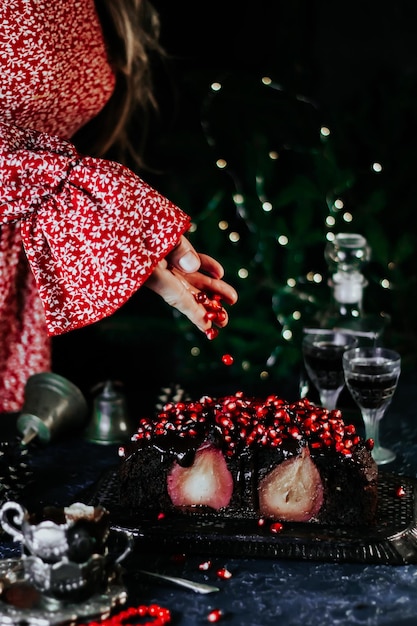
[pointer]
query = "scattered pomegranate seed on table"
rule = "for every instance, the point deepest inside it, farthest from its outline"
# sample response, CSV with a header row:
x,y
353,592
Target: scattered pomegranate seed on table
x,y
215,615
400,491
276,527
224,573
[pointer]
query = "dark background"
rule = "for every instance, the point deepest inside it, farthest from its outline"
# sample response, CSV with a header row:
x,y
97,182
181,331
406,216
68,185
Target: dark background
x,y
342,56
352,67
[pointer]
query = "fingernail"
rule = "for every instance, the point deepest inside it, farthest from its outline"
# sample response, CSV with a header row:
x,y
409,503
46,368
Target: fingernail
x,y
189,262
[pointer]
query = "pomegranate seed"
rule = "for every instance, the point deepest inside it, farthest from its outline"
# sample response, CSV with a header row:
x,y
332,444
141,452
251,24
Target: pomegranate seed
x,y
212,333
201,297
400,492
215,615
221,316
224,573
205,565
227,359
276,527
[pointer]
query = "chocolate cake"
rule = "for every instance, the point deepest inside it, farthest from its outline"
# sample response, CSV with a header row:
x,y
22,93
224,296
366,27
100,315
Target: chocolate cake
x,y
244,457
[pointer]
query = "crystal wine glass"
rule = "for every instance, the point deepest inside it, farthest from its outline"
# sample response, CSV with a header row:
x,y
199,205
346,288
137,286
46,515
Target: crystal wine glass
x,y
371,375
322,352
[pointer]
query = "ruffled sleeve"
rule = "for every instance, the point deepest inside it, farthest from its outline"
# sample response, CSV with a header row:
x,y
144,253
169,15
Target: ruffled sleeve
x,y
92,230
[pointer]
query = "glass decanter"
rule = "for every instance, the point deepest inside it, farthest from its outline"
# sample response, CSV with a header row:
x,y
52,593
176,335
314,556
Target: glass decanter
x,y
346,257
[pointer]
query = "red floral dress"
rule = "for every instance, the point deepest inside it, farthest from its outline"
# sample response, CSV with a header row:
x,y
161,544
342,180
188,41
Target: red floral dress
x,y
78,235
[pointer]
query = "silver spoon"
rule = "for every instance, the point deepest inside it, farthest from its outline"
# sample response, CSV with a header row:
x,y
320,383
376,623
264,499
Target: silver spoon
x,y
183,582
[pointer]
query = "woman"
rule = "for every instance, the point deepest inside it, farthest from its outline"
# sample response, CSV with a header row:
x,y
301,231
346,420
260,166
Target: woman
x,y
80,234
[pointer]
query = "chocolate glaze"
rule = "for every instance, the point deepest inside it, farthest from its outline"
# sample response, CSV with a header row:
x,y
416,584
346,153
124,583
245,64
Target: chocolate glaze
x,y
237,424
255,436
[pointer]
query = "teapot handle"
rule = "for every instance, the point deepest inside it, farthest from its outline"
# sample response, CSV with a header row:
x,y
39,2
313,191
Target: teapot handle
x,y
128,548
117,552
13,527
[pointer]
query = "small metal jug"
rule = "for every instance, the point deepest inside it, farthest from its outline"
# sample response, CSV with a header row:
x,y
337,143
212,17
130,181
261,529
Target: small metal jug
x,y
109,422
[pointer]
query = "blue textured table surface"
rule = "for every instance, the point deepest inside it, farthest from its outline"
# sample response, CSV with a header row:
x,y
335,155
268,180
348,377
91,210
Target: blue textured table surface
x,y
260,592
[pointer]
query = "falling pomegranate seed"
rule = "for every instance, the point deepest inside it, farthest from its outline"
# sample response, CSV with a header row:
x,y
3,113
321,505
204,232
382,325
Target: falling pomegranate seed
x,y
205,565
212,333
215,615
369,443
161,515
400,492
224,573
227,359
261,521
276,527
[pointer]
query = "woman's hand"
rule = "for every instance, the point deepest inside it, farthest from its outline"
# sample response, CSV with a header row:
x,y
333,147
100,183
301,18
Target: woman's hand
x,y
182,275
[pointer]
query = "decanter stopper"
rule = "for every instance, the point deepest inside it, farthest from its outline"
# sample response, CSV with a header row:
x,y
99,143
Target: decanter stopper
x,y
346,255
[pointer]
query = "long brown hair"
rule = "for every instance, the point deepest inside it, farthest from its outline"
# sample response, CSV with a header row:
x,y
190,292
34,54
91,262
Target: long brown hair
x,y
131,29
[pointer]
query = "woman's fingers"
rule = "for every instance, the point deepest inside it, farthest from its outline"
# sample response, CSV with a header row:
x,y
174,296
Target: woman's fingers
x,y
185,258
184,292
176,292
213,286
192,283
211,266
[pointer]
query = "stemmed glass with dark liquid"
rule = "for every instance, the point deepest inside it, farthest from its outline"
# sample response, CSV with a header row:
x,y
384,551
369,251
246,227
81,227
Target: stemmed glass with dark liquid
x,y
371,375
322,354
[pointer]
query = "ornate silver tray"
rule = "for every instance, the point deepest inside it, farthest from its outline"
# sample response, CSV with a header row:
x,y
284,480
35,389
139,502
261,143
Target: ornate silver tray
x,y
393,540
98,606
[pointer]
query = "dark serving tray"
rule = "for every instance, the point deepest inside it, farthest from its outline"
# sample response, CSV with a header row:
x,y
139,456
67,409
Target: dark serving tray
x,y
393,540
